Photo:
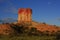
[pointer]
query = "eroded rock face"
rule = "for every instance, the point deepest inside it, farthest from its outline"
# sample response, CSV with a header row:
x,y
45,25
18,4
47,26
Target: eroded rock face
x,y
6,29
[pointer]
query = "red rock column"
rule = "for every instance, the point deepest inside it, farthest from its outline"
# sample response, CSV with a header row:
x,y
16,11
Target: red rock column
x,y
20,15
24,15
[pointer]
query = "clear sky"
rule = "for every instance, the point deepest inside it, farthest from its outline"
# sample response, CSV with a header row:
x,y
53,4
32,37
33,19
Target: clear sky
x,y
43,10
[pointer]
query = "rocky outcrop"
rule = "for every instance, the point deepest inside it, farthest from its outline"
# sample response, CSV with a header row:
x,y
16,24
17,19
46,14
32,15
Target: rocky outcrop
x,y
8,29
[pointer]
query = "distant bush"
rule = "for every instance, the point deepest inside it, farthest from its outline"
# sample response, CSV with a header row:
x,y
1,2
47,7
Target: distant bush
x,y
44,23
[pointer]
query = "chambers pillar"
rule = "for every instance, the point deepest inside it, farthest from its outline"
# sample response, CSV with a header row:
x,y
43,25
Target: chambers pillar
x,y
24,15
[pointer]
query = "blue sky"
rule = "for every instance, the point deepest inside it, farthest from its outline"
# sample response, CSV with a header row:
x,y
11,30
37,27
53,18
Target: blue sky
x,y
43,10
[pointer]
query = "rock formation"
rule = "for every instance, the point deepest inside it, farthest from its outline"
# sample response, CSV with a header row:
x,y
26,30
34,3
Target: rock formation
x,y
24,15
